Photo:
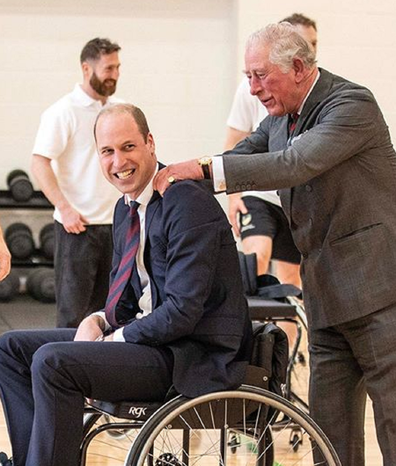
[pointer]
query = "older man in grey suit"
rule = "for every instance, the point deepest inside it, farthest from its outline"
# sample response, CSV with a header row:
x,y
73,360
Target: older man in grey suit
x,y
326,147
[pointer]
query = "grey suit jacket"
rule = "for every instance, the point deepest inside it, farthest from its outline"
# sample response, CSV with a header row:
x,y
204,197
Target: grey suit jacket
x,y
337,182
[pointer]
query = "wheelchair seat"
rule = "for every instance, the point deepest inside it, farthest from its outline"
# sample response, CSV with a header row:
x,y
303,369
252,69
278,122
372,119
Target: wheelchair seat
x,y
267,369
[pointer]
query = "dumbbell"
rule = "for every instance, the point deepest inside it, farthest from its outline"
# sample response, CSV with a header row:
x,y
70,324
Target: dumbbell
x,y
19,239
20,186
47,241
40,284
9,287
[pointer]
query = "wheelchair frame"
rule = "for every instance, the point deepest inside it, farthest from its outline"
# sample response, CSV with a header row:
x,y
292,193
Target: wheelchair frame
x,y
269,310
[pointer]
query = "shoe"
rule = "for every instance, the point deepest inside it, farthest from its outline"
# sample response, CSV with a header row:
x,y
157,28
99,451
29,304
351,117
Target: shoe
x,y
4,460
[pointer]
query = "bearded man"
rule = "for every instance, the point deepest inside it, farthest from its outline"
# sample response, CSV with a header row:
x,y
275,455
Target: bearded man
x,y
66,167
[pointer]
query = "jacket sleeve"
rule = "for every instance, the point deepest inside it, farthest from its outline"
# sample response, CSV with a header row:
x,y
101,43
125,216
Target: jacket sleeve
x,y
346,125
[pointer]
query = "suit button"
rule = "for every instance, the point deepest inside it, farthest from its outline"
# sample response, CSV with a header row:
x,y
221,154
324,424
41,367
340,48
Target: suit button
x,y
254,186
308,188
248,187
243,187
238,187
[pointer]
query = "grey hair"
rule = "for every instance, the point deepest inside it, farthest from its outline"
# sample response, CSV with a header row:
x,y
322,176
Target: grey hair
x,y
128,109
285,45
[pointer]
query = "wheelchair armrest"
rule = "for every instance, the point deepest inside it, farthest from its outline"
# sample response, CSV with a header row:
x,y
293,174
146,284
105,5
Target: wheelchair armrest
x,y
267,309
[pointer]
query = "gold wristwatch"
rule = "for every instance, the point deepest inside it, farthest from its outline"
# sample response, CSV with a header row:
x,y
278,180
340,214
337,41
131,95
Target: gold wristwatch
x,y
205,163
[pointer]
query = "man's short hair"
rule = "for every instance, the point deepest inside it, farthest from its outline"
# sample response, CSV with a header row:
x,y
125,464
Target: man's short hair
x,y
299,19
285,45
135,112
97,47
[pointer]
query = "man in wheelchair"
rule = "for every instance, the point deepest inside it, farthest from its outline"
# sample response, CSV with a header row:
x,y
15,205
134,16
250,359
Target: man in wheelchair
x,y
175,314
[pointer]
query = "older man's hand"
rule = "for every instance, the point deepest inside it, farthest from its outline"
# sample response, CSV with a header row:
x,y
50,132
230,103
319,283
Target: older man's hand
x,y
189,170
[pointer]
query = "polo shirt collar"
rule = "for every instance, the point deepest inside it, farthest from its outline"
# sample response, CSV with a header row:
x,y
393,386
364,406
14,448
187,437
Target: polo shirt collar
x,y
83,98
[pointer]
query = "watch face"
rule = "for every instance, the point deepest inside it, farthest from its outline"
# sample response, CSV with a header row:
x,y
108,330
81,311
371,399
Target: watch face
x,y
205,161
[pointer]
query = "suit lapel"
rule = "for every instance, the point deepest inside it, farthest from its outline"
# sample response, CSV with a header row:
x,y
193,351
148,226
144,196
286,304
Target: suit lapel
x,y
304,123
151,208
317,95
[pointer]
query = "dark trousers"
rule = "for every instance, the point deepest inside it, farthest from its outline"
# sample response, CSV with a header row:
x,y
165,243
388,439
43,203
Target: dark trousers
x,y
82,267
348,362
45,377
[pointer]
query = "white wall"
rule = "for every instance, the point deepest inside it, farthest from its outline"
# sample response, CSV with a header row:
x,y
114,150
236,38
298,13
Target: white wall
x,y
181,60
177,60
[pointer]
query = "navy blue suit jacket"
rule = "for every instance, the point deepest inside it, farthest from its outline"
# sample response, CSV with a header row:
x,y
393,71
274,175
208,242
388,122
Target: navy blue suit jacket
x,y
199,310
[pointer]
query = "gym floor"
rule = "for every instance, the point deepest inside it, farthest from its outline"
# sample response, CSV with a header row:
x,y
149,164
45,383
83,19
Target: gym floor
x,y
25,312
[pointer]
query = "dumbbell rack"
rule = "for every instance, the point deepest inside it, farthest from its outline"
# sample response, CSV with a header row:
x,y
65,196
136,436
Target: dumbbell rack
x,y
37,201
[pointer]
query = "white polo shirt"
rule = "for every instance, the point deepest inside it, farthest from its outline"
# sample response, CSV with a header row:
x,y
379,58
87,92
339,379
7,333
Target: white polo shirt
x,y
65,136
247,112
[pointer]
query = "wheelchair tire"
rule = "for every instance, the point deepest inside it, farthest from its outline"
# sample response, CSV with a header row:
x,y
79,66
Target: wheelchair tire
x,y
195,432
106,439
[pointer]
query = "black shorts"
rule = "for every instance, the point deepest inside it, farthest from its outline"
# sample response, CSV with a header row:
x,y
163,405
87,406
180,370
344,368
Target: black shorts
x,y
267,219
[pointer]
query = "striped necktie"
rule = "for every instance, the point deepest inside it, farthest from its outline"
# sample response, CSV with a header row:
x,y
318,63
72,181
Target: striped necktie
x,y
125,267
293,122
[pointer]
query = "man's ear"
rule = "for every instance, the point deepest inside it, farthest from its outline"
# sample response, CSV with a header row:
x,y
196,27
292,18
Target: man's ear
x,y
151,143
299,68
86,68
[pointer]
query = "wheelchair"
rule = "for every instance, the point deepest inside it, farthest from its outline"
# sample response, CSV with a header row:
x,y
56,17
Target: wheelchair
x,y
243,427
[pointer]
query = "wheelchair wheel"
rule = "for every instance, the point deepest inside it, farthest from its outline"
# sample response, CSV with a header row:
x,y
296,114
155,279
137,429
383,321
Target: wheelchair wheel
x,y
235,442
107,439
187,432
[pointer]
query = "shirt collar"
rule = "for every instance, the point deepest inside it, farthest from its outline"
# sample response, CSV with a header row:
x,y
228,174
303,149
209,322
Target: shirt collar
x,y
309,92
83,98
145,197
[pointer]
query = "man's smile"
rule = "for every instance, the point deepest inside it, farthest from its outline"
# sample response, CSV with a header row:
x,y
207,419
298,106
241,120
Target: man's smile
x,y
125,174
